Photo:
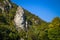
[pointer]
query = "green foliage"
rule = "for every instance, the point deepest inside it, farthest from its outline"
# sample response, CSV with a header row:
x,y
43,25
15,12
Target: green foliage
x,y
35,20
7,34
54,29
1,0
38,29
7,28
54,34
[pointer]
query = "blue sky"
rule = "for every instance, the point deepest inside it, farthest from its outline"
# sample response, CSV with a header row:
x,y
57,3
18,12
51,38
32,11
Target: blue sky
x,y
45,9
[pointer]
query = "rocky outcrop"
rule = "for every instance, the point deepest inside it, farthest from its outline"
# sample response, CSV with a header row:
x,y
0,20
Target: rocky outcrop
x,y
7,5
2,8
19,19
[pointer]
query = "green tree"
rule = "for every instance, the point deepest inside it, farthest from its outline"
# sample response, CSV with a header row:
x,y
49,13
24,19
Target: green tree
x,y
54,29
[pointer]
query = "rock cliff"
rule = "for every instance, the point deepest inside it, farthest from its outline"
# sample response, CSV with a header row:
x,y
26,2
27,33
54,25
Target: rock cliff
x,y
19,18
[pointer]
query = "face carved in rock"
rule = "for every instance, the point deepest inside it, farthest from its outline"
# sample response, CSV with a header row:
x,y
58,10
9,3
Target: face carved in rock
x,y
19,18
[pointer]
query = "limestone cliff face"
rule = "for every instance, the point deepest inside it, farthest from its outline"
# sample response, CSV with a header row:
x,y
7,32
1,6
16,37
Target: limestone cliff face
x,y
19,19
18,14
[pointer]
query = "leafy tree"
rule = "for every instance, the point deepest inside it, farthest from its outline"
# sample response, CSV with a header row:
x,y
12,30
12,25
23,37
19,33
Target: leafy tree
x,y
54,29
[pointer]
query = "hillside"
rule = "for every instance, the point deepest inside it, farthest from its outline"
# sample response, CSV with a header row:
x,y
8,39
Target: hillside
x,y
7,15
17,23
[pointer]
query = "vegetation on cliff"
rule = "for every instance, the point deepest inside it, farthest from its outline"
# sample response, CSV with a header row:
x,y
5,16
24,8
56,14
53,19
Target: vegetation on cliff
x,y
38,29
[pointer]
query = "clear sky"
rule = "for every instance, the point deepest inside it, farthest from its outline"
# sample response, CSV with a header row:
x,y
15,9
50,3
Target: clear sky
x,y
45,9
